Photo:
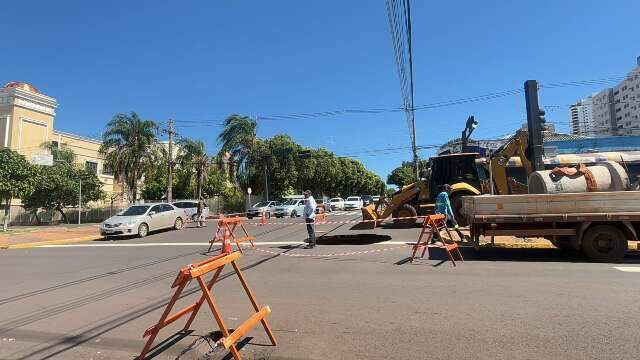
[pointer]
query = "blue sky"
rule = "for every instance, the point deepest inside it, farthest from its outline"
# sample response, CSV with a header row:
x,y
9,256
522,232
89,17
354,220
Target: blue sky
x,y
202,60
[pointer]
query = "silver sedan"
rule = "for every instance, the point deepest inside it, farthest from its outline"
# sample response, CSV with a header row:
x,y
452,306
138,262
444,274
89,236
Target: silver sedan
x,y
141,219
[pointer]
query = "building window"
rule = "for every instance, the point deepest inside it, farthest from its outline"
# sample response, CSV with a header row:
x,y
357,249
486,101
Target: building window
x,y
91,166
106,170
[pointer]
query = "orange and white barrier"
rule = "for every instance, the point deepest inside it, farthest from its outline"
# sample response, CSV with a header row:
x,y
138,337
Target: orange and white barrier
x,y
433,225
198,272
225,233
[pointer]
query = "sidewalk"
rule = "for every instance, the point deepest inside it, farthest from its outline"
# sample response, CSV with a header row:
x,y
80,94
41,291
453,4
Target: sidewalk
x,y
27,236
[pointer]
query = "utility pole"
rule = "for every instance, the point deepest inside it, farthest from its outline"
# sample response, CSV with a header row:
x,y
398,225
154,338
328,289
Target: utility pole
x,y
535,123
171,132
266,182
80,202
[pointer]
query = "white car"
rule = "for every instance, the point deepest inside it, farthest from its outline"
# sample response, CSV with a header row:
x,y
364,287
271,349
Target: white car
x,y
141,219
257,209
190,208
352,203
292,208
337,203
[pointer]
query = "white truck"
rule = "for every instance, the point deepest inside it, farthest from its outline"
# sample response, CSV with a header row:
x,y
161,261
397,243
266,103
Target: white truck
x,y
599,224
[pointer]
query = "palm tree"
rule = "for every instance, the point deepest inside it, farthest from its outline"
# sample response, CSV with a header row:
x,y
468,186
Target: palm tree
x,y
193,156
128,146
238,138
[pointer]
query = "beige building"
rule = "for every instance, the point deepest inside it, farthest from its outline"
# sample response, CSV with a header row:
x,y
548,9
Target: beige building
x,y
27,121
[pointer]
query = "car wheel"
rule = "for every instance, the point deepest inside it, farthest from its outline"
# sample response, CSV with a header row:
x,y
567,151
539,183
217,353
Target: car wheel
x,y
294,214
143,230
268,215
249,217
177,225
194,217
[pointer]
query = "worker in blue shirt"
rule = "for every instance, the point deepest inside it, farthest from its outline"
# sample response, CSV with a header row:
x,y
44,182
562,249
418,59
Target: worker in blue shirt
x,y
443,206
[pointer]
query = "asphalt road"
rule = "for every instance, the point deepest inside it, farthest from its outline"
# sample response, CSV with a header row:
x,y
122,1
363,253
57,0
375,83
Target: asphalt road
x,y
358,299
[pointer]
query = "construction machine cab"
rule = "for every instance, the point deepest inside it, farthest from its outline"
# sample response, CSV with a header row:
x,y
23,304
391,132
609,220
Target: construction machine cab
x,y
453,169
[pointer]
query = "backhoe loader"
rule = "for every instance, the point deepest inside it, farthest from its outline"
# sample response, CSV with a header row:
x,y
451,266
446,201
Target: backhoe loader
x,y
467,174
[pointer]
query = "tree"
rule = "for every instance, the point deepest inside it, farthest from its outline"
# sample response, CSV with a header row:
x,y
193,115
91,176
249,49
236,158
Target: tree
x,y
17,179
58,186
60,152
129,148
402,175
238,138
193,158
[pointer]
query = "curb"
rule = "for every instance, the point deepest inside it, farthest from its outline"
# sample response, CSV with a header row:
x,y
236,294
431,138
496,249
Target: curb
x,y
55,242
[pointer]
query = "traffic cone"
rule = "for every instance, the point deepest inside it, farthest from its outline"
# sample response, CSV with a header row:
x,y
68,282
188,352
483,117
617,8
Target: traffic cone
x,y
226,244
263,221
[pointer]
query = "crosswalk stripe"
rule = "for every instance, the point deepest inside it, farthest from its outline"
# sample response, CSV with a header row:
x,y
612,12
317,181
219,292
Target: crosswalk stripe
x,y
628,268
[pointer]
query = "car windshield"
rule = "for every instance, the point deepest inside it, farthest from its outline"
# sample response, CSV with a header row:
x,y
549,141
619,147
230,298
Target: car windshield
x,y
261,204
353,198
135,210
336,200
291,202
185,205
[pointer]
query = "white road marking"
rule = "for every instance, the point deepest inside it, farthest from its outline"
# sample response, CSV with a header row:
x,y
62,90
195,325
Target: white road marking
x,y
628,268
266,243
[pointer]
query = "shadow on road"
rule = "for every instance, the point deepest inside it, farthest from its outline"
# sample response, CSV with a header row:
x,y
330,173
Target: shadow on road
x,y
352,239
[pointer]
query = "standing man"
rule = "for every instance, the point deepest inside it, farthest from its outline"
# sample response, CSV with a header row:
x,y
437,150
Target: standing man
x,y
309,216
443,206
200,213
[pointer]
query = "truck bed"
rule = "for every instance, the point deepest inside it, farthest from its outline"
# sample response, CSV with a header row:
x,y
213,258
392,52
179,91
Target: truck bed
x,y
552,207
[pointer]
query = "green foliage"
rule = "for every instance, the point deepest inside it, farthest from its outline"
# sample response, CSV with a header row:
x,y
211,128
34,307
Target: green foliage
x,y
317,170
60,184
17,175
193,160
402,175
60,153
238,138
216,183
129,148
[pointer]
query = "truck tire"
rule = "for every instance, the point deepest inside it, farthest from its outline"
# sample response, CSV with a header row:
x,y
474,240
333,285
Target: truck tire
x,y
456,205
604,243
405,211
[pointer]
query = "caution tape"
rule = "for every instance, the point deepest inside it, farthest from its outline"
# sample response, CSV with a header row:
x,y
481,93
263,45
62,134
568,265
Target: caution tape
x,y
336,222
350,253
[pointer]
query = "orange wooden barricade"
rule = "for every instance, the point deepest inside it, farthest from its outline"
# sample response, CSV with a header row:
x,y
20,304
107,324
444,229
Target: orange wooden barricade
x,y
432,225
226,232
198,272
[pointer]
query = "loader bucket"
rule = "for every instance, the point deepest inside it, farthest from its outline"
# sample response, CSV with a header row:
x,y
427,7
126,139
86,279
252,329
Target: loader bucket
x,y
368,214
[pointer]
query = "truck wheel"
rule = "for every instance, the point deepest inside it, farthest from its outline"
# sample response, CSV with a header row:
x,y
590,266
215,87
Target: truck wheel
x,y
405,211
458,212
604,243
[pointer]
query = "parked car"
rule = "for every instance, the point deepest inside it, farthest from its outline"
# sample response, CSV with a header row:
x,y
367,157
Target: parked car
x,y
337,203
366,200
257,209
141,219
291,207
190,208
352,203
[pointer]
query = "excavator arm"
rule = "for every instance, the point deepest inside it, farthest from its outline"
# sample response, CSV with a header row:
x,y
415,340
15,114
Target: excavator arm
x,y
516,146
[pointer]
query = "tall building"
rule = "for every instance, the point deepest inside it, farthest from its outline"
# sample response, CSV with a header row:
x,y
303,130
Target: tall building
x,y
26,124
581,117
616,111
626,96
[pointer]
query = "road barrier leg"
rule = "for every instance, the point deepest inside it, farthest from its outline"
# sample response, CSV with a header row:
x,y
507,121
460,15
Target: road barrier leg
x,y
202,298
217,316
252,298
159,326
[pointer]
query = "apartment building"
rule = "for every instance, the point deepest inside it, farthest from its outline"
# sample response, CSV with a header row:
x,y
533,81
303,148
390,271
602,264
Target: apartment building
x,y
581,120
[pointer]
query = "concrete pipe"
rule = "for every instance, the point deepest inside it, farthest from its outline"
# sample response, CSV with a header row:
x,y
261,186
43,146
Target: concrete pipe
x,y
609,176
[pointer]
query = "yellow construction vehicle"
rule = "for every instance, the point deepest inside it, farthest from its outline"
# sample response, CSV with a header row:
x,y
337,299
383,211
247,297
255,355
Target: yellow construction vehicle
x,y
458,170
467,173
